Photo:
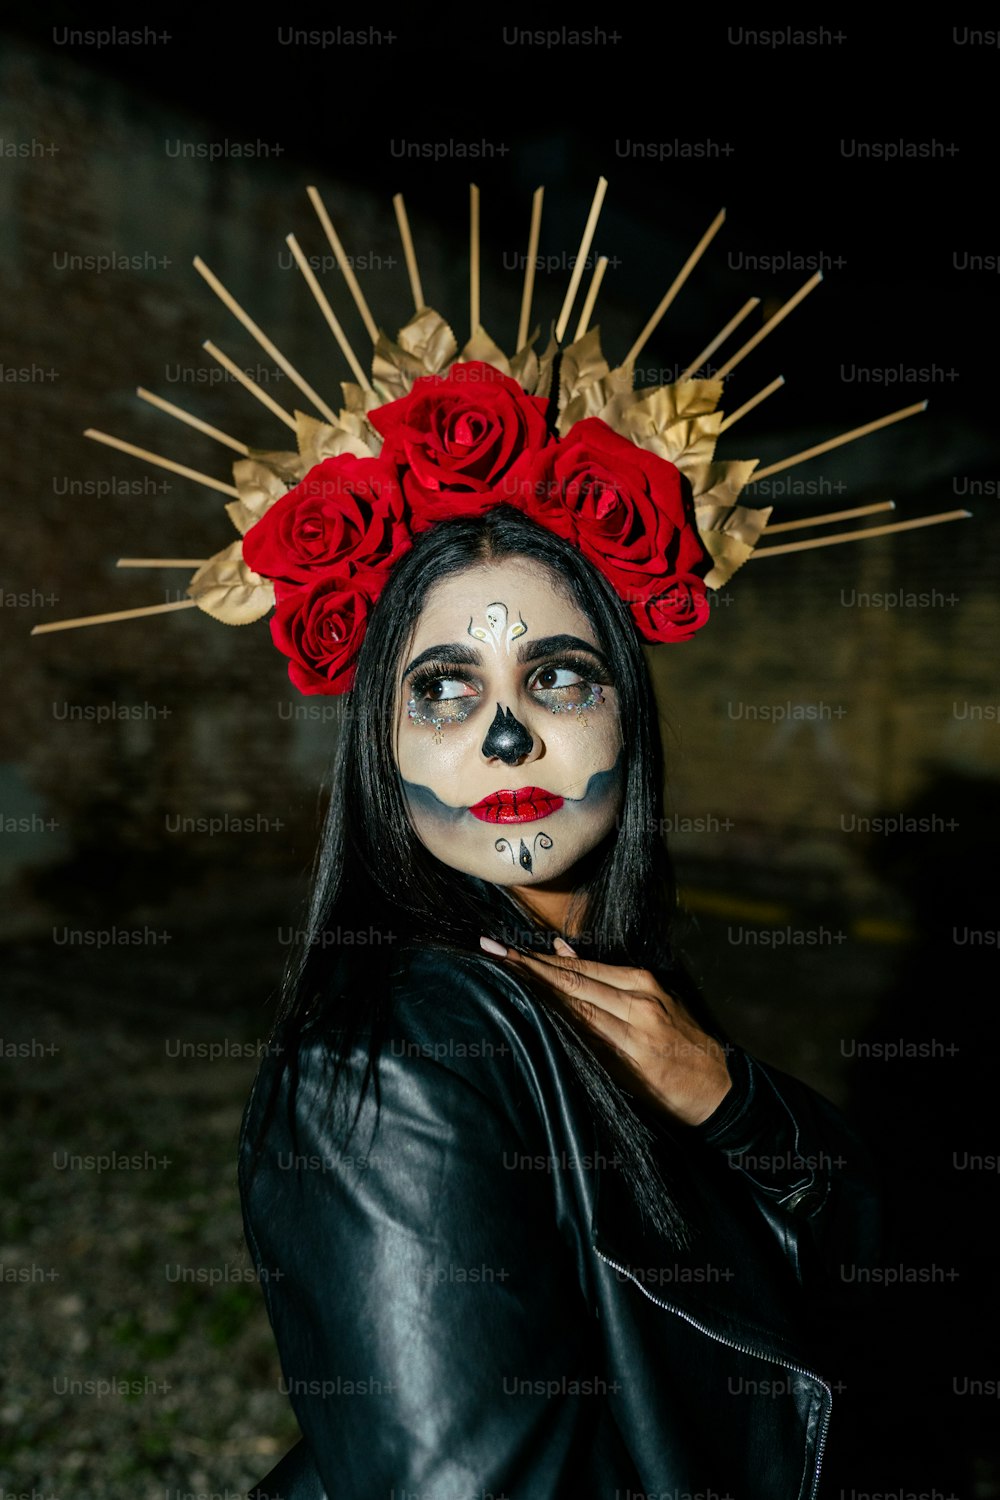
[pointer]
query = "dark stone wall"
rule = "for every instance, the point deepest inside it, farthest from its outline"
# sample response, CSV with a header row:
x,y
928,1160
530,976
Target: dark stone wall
x,y
833,735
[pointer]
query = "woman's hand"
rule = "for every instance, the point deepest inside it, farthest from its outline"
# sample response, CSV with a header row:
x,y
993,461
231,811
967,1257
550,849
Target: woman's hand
x,y
657,1049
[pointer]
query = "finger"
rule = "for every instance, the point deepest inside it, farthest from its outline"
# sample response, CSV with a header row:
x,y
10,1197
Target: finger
x,y
582,990
564,949
618,976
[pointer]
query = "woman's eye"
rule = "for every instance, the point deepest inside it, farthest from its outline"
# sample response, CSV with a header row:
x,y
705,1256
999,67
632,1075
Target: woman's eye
x,y
557,677
444,688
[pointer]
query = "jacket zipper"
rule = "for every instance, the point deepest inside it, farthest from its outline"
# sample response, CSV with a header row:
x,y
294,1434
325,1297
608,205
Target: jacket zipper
x,y
742,1349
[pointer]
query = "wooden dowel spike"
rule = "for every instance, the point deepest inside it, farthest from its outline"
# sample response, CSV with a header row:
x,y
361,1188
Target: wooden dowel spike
x,y
582,253
347,270
770,325
107,619
829,518
249,385
588,306
720,338
408,252
529,267
865,531
321,302
161,562
741,411
162,463
473,260
256,332
195,422
838,442
676,285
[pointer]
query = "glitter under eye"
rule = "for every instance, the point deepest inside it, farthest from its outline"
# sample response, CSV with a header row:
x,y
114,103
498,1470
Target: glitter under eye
x,y
437,712
593,695
419,711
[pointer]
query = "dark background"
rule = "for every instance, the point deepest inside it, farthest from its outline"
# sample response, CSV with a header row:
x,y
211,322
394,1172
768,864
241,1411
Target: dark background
x,y
861,958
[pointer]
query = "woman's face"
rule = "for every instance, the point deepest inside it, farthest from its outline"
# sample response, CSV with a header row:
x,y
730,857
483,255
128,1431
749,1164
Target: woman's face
x,y
508,740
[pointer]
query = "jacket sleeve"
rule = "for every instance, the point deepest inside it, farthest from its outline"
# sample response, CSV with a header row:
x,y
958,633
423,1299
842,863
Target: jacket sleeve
x,y
810,1172
432,1333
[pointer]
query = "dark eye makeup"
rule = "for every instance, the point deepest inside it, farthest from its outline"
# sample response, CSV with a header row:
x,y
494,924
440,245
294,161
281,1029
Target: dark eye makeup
x,y
425,707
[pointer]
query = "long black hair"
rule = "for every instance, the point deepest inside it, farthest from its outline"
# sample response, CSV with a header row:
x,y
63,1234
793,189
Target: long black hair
x,y
373,875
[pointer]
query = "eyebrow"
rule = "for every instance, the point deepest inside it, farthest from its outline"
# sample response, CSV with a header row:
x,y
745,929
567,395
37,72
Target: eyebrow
x,y
457,654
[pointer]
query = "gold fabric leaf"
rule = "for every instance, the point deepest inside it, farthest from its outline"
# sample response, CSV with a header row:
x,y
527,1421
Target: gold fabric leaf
x,y
582,365
225,588
320,440
728,555
428,339
260,483
721,483
618,381
591,402
689,443
363,402
663,405
545,364
524,365
354,396
729,531
394,370
287,466
482,347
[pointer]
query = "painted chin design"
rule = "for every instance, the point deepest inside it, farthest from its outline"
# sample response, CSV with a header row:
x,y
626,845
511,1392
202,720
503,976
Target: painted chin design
x,y
523,805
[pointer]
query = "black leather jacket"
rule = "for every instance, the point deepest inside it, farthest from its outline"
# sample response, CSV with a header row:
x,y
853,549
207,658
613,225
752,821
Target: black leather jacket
x,y
472,1308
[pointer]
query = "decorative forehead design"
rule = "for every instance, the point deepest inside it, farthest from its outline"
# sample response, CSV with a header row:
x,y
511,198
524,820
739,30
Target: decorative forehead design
x,y
497,628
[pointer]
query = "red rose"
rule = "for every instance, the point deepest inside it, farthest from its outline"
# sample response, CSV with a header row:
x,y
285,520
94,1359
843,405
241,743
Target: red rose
x,y
346,514
455,436
676,614
321,627
621,505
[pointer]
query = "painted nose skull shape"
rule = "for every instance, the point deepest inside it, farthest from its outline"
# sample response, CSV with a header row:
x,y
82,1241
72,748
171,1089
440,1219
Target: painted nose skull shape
x,y
507,739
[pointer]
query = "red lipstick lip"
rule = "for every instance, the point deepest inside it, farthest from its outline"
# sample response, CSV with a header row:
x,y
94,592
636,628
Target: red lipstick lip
x,y
522,804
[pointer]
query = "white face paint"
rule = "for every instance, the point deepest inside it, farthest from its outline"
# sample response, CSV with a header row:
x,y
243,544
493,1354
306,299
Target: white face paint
x,y
508,740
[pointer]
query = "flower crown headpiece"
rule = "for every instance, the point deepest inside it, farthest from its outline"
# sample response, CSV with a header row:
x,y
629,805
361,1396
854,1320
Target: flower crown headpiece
x,y
628,476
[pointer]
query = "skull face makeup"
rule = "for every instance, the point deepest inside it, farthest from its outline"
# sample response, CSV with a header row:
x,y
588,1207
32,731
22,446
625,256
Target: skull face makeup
x,y
508,741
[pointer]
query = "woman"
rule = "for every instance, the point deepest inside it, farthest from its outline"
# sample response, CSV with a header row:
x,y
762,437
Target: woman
x,y
526,1224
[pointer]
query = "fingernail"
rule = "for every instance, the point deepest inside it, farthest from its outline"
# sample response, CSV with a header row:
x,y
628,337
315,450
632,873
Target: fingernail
x,y
561,946
489,946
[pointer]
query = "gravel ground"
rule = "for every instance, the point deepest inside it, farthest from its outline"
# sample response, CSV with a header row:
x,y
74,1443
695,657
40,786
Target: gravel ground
x,y
139,1359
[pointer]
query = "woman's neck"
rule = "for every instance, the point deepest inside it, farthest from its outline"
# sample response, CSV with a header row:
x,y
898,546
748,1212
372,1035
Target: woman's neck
x,y
547,903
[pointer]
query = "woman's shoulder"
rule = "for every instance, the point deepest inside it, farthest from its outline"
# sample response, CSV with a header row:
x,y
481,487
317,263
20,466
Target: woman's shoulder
x,y
436,994
445,1024
448,1009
